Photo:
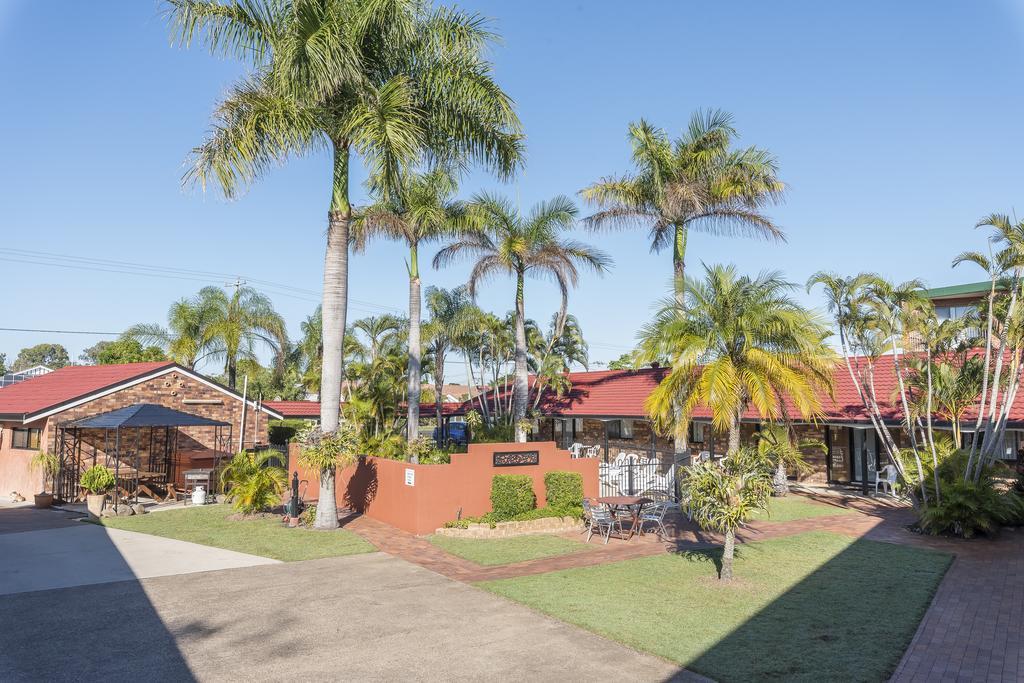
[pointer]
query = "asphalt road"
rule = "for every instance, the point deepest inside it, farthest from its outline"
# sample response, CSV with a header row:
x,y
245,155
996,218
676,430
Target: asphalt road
x,y
365,617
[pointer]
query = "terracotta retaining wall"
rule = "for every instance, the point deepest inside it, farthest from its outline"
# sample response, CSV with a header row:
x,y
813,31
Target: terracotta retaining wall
x,y
421,498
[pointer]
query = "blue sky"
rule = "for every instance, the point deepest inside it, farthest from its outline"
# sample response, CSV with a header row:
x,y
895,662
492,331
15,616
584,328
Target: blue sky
x,y
896,126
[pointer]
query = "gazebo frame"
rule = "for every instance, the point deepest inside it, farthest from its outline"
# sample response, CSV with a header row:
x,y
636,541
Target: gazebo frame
x,y
135,421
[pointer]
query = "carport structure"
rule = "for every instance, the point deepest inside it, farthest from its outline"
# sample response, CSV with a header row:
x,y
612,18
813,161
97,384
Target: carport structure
x,y
138,443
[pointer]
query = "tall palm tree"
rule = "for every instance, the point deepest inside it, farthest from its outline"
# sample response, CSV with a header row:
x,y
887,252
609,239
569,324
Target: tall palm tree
x,y
695,182
507,242
239,324
186,339
312,350
382,332
421,210
744,342
387,81
450,316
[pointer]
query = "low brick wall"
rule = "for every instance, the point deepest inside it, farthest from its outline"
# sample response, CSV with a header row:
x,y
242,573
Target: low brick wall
x,y
421,498
548,525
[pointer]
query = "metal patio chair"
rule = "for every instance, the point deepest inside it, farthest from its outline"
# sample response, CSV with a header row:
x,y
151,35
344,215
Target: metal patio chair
x,y
655,514
601,519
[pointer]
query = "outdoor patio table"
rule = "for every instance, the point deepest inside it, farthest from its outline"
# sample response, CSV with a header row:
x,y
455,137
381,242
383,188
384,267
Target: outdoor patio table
x,y
631,503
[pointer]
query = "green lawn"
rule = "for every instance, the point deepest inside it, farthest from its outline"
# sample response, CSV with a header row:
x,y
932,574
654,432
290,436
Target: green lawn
x,y
209,525
792,507
811,607
508,550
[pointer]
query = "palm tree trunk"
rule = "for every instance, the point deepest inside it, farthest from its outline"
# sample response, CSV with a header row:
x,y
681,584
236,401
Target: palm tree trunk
x,y
679,266
521,385
984,379
335,308
413,413
734,435
780,482
728,553
439,354
232,373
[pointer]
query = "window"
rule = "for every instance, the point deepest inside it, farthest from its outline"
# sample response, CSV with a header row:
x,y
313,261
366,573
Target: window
x,y
25,438
697,432
613,428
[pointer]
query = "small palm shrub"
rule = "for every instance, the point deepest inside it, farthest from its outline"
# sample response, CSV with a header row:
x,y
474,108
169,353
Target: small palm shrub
x,y
97,479
970,508
511,495
48,465
724,495
252,482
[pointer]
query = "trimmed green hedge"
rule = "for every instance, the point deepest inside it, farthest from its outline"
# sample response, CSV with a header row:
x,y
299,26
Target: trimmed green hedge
x,y
511,495
563,490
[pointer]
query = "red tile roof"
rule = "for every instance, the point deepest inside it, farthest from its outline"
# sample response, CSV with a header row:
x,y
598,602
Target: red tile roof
x,y
67,384
621,393
295,409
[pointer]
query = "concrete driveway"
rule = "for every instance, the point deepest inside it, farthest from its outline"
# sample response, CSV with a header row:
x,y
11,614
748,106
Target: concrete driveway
x,y
365,617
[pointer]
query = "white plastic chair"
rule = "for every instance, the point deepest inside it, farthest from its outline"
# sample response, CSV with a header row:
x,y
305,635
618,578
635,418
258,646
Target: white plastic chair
x,y
592,452
886,477
576,449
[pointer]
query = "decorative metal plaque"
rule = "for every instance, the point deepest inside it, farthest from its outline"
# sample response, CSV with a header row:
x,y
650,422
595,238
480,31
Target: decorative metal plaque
x,y
516,458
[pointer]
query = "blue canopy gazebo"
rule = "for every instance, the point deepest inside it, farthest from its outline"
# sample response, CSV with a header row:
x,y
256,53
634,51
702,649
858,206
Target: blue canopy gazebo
x,y
124,433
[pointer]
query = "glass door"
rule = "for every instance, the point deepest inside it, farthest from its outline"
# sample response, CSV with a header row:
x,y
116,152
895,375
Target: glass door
x,y
864,444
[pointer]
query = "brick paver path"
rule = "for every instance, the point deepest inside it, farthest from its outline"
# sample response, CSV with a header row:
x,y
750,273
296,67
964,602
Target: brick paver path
x,y
973,630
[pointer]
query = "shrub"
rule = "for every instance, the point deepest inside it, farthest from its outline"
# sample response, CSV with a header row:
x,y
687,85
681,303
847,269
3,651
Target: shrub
x,y
325,451
97,479
511,495
252,483
308,516
281,431
47,464
971,508
563,490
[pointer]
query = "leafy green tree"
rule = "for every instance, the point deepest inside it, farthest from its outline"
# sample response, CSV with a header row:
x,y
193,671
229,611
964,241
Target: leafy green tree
x,y
723,495
507,242
128,350
186,339
390,82
383,334
3,363
743,342
624,362
240,323
695,182
53,356
422,209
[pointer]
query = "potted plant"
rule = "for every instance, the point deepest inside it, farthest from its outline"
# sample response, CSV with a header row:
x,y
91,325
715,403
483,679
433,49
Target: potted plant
x,y
48,465
96,481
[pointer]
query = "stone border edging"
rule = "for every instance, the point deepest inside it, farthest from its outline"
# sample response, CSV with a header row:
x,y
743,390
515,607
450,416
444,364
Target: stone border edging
x,y
546,525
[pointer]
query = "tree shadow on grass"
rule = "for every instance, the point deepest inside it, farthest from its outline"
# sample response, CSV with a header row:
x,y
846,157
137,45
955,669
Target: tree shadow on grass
x,y
850,619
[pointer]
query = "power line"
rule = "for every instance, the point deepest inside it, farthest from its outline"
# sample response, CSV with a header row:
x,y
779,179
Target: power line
x,y
27,329
42,258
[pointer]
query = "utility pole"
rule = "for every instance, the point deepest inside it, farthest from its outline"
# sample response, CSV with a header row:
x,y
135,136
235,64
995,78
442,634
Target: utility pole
x,y
237,284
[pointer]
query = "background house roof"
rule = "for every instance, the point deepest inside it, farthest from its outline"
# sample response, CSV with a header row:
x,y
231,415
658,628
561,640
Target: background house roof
x,y
954,291
69,383
297,410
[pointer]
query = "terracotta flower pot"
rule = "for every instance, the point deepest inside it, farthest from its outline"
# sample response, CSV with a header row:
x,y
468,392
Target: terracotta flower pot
x,y
43,500
95,502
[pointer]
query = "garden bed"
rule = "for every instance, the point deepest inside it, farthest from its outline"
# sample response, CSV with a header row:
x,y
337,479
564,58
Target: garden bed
x,y
545,525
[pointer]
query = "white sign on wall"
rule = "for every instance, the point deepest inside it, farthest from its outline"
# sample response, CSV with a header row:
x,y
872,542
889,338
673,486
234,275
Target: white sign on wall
x,y
410,476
